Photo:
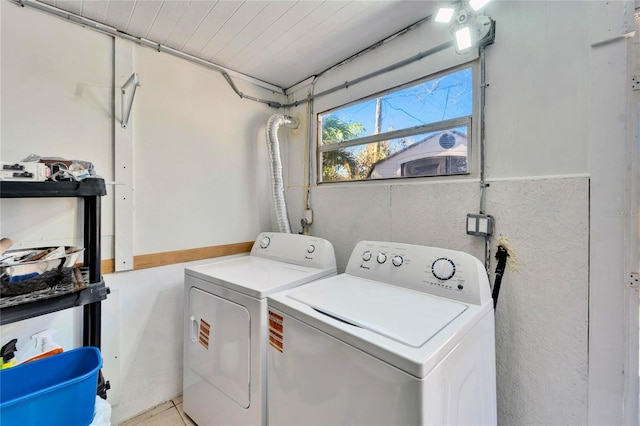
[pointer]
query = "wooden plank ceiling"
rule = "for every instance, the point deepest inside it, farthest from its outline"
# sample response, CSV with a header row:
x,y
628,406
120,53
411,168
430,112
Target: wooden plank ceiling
x,y
280,42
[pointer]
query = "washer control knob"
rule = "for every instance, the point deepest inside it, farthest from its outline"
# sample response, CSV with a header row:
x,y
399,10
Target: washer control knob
x,y
311,249
264,243
443,268
382,257
366,256
397,260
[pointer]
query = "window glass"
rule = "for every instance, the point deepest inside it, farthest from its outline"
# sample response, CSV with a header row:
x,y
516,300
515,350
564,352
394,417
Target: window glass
x,y
419,130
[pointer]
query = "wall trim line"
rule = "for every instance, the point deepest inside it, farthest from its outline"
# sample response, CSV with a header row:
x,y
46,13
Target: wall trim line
x,y
540,177
153,260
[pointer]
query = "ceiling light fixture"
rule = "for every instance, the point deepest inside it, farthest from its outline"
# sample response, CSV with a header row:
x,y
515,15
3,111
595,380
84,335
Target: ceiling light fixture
x,y
463,38
445,14
470,29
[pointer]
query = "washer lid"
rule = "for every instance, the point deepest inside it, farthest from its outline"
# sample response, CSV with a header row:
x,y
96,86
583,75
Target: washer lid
x,y
406,316
255,276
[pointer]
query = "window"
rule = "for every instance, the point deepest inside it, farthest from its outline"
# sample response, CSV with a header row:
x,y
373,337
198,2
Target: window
x,y
417,130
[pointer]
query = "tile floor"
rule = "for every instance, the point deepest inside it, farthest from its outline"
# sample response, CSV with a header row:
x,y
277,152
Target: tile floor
x,y
168,414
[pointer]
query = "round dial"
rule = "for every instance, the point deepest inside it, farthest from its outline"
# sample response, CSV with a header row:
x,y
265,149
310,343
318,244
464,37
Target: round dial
x,y
311,249
366,256
397,260
443,268
264,243
382,257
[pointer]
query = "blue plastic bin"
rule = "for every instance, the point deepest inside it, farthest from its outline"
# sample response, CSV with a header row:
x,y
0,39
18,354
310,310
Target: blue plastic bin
x,y
57,390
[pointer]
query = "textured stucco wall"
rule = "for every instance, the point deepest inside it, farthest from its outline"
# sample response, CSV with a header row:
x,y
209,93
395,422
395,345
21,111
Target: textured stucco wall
x,y
542,315
414,214
542,312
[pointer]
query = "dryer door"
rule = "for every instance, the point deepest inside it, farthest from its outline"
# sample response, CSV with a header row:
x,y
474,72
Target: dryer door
x,y
219,344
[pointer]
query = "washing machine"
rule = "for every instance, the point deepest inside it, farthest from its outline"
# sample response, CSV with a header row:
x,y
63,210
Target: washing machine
x,y
404,337
225,324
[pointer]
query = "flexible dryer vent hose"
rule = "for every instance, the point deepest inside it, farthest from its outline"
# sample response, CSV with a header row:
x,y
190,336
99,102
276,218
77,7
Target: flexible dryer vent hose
x,y
275,167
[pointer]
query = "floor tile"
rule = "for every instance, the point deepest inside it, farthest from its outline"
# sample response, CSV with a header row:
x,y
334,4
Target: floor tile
x,y
187,420
169,417
139,419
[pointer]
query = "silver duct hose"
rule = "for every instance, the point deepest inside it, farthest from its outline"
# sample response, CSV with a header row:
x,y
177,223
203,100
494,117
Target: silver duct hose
x,y
275,167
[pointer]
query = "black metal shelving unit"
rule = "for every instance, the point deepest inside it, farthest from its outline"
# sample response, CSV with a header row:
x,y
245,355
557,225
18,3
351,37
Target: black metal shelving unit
x,y
90,191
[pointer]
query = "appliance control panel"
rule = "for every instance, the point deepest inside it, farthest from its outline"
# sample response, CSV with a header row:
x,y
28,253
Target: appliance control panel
x,y
441,272
297,249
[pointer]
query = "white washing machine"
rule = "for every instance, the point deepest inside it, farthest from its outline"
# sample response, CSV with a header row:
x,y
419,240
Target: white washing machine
x,y
226,324
404,337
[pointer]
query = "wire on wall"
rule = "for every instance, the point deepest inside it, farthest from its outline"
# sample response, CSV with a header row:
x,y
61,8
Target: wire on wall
x,y
392,67
483,183
310,142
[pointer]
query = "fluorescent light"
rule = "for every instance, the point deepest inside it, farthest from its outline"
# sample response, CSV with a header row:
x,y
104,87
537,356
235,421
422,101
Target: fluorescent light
x,y
445,14
463,38
478,4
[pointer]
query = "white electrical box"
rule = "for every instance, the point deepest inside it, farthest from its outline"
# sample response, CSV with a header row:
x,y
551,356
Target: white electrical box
x,y
479,224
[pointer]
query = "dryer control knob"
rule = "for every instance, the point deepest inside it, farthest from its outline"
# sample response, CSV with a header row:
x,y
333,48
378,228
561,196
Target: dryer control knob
x,y
264,243
397,260
382,257
366,256
443,268
311,249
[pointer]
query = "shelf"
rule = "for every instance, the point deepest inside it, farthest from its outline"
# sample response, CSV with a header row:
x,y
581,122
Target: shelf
x,y
90,190
93,293
90,187
90,298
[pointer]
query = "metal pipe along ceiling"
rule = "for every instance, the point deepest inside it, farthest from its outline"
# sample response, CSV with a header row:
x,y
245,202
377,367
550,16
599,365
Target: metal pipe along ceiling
x,y
227,73
105,29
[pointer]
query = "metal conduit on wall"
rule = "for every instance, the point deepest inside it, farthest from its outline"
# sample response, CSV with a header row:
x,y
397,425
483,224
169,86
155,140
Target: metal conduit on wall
x,y
105,29
227,74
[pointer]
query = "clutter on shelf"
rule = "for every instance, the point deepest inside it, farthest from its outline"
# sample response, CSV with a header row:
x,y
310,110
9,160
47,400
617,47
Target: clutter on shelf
x,y
37,168
39,273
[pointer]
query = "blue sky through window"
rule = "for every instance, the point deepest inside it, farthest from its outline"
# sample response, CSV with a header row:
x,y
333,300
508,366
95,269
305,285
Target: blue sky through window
x,y
439,99
413,113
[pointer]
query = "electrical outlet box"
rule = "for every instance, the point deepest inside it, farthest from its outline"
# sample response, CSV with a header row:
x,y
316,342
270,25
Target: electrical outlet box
x,y
479,224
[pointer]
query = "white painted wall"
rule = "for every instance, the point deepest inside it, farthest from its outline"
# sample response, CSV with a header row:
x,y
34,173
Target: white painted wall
x,y
200,179
56,101
200,173
555,93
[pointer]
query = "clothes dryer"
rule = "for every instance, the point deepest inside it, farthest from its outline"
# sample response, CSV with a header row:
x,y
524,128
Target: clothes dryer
x,y
225,324
404,337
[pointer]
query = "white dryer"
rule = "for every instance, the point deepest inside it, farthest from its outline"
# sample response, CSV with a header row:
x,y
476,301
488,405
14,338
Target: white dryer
x,y
225,324
404,337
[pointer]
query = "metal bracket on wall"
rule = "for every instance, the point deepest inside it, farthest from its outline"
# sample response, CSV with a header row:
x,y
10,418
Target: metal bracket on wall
x,y
134,81
635,83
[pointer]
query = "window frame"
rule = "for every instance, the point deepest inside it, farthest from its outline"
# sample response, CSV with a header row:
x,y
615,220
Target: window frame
x,y
449,124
